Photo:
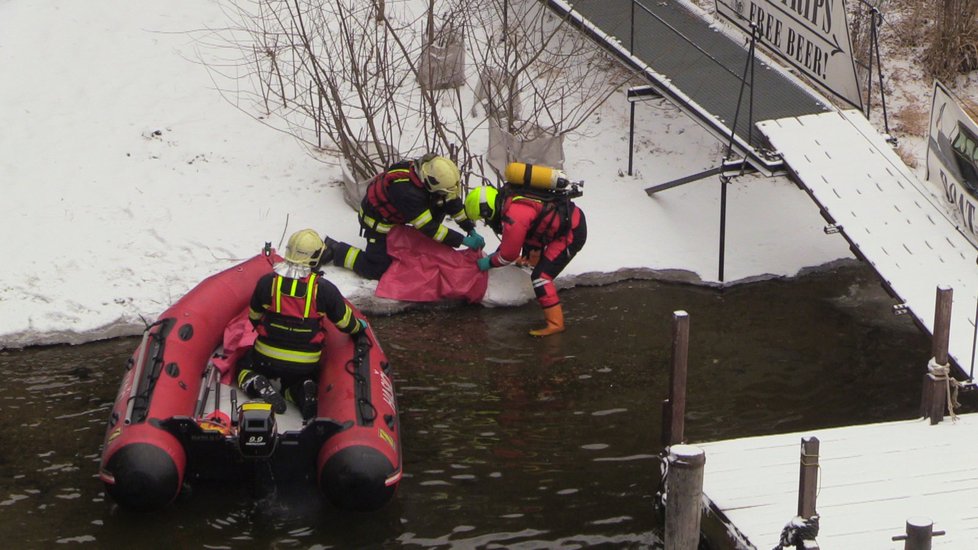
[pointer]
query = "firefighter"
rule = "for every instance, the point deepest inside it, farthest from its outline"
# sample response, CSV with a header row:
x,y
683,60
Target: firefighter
x,y
287,309
542,230
419,193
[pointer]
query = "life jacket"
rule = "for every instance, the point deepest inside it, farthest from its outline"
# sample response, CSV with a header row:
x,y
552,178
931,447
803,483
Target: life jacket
x,y
553,217
378,192
290,329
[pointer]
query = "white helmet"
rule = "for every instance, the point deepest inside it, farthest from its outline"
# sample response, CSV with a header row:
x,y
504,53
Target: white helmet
x,y
304,248
440,175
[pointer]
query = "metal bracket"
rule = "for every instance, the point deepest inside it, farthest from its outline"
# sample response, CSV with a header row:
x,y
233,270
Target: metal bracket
x,y
832,229
901,309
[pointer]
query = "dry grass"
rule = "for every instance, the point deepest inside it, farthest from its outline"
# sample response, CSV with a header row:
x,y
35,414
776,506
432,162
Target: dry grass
x,y
911,119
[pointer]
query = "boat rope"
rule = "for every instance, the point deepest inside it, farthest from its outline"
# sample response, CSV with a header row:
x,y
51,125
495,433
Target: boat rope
x,y
659,498
797,531
943,372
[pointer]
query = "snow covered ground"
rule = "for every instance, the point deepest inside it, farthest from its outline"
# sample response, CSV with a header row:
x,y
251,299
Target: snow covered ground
x,y
127,178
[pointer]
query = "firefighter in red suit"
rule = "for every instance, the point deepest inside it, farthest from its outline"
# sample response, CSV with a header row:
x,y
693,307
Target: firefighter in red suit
x,y
287,310
420,193
543,230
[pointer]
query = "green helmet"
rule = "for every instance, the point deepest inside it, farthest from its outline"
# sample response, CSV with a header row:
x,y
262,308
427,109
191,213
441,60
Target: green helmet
x,y
480,203
440,175
304,248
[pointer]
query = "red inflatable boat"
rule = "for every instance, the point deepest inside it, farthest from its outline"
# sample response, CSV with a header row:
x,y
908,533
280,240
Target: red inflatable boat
x,y
177,417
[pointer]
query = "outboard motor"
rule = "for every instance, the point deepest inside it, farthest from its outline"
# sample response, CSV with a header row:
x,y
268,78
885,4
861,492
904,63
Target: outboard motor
x,y
257,431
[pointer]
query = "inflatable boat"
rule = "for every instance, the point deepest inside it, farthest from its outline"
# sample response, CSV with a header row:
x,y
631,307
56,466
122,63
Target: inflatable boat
x,y
178,417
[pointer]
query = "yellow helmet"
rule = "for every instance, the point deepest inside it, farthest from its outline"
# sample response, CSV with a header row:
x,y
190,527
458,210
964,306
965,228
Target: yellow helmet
x,y
440,175
480,203
304,248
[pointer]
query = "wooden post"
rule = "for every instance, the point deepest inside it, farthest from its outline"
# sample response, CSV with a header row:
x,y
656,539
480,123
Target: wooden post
x,y
933,400
674,408
942,323
684,497
920,532
808,478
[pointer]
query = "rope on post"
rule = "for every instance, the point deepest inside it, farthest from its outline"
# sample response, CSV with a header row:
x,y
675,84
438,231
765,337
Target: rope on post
x,y
797,531
659,499
943,372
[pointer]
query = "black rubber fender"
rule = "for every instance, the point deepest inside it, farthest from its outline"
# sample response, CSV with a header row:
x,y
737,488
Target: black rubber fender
x,y
354,479
145,477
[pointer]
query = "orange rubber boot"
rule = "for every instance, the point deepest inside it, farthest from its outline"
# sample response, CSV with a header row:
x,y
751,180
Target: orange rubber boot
x,y
555,322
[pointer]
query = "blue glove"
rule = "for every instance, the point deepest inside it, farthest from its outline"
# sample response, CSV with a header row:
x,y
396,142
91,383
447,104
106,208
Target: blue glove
x,y
484,263
474,240
363,327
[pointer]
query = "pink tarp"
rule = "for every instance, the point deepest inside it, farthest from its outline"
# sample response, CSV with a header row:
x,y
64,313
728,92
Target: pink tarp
x,y
427,271
239,336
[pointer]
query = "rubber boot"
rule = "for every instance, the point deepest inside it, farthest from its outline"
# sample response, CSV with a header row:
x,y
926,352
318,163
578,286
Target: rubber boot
x,y
304,395
554,316
256,385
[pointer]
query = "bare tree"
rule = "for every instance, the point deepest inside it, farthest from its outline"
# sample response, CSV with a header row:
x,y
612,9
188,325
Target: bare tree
x,y
548,77
354,78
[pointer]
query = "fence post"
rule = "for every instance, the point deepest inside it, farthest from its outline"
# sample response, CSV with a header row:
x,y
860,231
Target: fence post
x,y
674,408
684,497
933,400
920,532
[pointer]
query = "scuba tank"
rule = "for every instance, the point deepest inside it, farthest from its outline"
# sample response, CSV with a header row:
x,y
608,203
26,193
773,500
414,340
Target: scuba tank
x,y
541,178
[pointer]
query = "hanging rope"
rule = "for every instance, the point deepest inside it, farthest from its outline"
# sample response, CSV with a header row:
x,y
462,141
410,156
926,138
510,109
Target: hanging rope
x,y
943,372
797,531
659,499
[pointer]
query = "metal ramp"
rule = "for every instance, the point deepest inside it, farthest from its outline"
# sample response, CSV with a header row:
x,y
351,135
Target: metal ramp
x,y
886,214
700,69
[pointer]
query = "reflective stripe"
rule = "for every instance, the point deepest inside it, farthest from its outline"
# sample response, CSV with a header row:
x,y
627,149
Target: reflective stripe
x,y
441,233
502,261
291,356
291,329
277,294
422,219
351,257
242,375
254,315
460,216
540,282
345,321
378,226
309,291
310,285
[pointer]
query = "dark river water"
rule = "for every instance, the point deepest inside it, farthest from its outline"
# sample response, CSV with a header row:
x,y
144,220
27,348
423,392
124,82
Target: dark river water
x,y
508,441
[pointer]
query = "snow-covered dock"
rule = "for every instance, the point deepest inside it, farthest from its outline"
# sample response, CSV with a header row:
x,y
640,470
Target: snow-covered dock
x,y
872,479
889,217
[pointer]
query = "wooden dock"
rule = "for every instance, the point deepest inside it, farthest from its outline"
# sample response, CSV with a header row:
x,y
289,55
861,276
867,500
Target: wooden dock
x,y
873,478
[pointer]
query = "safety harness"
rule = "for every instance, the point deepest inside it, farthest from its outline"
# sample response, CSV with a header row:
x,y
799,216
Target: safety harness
x,y
290,328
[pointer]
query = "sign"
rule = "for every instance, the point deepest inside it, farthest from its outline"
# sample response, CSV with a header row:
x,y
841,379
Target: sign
x,y
811,35
952,159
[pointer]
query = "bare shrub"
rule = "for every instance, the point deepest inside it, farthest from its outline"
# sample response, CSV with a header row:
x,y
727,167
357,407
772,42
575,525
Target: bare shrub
x,y
910,21
952,47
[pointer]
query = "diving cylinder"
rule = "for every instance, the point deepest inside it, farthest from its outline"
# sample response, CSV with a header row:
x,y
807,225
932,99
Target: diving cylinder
x,y
536,176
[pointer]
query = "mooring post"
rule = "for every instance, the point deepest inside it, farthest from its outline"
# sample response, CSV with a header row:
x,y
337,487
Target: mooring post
x,y
933,400
684,497
808,477
674,408
920,532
